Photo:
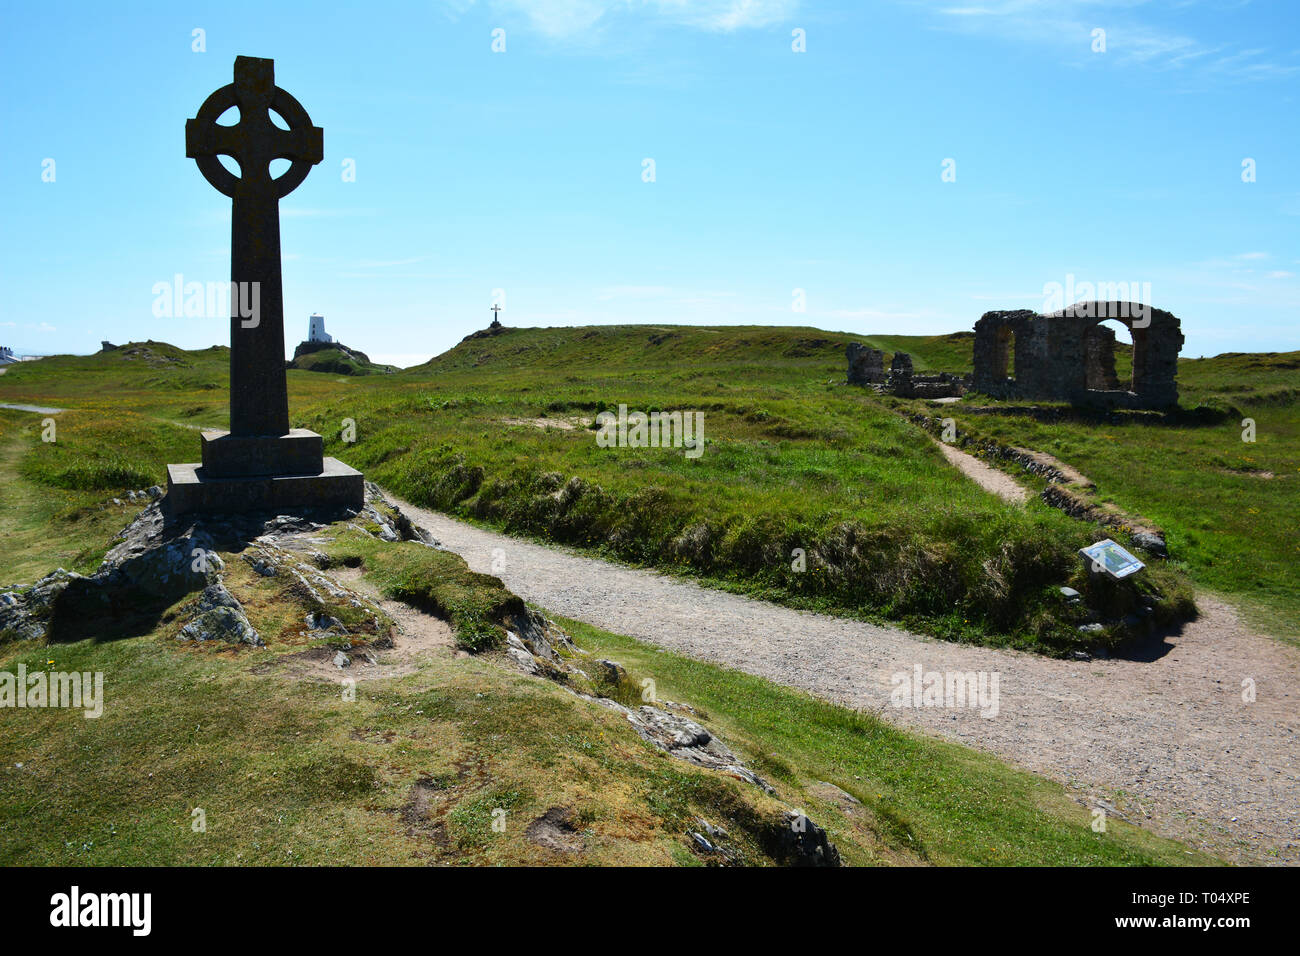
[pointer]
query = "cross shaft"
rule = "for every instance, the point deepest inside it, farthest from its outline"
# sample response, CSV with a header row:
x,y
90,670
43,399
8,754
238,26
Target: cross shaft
x,y
259,398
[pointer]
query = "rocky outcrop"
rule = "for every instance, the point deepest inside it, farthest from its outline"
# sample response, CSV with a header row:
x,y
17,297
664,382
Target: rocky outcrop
x,y
494,329
532,642
218,616
157,561
684,739
341,360
25,614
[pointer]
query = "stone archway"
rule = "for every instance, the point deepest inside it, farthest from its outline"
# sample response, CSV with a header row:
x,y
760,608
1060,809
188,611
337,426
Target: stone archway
x,y
1157,339
1070,355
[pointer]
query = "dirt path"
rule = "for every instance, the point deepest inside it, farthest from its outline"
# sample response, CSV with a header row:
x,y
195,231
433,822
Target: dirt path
x,y
1168,742
38,409
986,476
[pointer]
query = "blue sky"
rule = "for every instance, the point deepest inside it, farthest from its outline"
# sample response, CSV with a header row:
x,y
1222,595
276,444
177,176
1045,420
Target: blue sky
x,y
774,170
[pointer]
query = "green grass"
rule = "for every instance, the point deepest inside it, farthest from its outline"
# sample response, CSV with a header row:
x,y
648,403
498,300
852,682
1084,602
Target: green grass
x,y
153,379
434,581
287,771
794,461
1230,509
942,802
47,525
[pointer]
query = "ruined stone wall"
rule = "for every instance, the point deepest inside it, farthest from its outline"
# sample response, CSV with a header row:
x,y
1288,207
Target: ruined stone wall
x,y
866,365
904,383
1069,356
1099,358
991,337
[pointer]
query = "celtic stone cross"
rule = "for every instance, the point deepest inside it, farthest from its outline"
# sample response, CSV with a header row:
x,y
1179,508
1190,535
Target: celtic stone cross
x,y
261,465
259,398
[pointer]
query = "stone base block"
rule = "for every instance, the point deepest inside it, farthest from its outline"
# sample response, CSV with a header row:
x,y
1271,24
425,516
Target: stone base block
x,y
300,452
190,488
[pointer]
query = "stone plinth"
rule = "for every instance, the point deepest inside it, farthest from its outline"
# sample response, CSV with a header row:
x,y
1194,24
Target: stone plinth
x,y
335,485
298,452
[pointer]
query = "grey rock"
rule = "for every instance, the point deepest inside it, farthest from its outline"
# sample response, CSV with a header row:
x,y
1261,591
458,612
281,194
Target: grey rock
x,y
260,564
214,596
222,624
685,739
319,621
716,833
1070,594
703,845
27,615
1151,542
800,842
539,636
829,791
526,662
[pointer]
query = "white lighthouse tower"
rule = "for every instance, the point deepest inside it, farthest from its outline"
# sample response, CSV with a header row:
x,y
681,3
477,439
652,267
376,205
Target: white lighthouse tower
x,y
316,329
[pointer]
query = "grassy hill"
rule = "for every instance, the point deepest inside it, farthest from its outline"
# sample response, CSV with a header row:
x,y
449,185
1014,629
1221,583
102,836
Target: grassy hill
x,y
795,461
495,430
416,769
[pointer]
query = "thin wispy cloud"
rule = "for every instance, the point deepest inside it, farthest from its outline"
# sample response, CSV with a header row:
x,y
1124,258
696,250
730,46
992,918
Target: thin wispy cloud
x,y
1130,35
565,19
611,293
388,263
29,326
888,314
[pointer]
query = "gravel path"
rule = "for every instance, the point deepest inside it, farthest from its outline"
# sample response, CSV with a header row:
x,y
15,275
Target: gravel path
x,y
1167,742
